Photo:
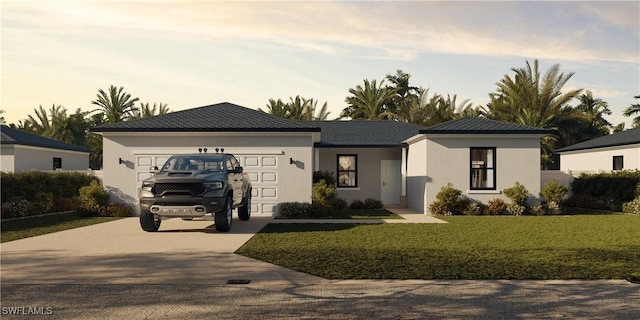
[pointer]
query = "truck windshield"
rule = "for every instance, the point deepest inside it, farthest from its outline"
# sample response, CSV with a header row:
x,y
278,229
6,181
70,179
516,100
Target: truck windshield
x,y
194,163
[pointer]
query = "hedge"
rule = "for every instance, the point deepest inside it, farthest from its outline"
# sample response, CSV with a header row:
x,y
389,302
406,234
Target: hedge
x,y
605,190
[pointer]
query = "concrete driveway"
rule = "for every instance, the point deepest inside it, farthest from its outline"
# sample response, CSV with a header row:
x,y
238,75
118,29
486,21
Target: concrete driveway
x,y
119,252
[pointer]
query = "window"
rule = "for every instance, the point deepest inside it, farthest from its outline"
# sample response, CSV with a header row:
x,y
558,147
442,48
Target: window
x,y
618,162
57,163
347,171
483,168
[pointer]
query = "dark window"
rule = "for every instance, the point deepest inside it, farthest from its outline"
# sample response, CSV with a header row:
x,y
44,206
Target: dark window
x,y
57,163
483,168
347,171
618,162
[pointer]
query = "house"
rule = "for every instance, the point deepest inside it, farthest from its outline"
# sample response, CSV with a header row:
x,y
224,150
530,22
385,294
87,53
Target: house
x,y
618,151
385,160
23,151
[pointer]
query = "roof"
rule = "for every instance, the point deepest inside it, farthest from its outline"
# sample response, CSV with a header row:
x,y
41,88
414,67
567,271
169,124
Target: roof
x,y
364,133
220,117
478,125
622,138
11,136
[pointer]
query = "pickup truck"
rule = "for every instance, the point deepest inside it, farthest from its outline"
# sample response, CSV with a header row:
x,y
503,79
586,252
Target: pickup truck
x,y
193,185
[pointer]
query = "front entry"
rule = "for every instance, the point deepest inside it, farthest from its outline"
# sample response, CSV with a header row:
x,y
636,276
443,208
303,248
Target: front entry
x,y
391,181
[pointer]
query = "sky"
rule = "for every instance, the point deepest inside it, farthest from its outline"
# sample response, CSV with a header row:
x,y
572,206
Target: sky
x,y
195,53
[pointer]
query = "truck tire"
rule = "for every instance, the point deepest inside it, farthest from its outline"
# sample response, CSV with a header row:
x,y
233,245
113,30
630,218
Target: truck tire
x,y
224,217
244,212
148,222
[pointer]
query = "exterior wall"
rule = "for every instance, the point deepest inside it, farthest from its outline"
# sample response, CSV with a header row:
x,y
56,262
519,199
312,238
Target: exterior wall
x,y
294,180
368,170
600,159
6,158
517,159
417,177
27,158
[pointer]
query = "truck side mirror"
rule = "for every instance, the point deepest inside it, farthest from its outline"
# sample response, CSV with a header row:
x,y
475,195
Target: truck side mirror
x,y
237,169
153,169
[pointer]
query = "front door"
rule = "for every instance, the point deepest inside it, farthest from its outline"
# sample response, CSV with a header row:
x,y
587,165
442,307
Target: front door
x,y
391,181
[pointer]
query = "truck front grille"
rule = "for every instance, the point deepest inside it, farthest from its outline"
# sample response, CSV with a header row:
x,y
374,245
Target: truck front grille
x,y
194,189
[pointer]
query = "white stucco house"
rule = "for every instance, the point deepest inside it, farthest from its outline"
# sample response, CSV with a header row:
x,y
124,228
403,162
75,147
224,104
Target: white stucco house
x,y
23,151
618,151
398,163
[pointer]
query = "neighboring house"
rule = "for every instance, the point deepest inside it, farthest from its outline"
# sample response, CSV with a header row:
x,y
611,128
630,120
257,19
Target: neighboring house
x,y
23,151
384,160
618,151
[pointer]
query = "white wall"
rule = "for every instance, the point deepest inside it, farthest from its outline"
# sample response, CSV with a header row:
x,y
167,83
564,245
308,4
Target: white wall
x,y
369,168
6,158
27,158
600,159
417,174
294,180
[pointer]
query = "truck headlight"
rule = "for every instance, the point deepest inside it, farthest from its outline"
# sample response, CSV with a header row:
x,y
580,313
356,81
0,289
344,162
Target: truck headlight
x,y
213,185
147,186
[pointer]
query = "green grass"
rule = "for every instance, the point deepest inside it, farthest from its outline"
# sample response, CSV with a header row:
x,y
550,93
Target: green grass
x,y
35,226
500,247
357,214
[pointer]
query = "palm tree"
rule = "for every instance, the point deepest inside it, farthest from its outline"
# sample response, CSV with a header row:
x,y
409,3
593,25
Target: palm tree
x,y
146,110
2,121
276,108
594,110
405,94
632,110
528,99
42,123
297,107
367,102
313,113
116,106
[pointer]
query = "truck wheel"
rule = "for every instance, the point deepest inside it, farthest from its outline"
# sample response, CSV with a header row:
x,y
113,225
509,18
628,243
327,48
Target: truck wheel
x,y
224,217
148,222
244,212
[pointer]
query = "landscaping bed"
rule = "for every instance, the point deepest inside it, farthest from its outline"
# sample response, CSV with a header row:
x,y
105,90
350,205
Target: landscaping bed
x,y
468,247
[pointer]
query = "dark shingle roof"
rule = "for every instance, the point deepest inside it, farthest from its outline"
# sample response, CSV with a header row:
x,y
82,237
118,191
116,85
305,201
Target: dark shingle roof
x,y
477,125
627,137
221,117
364,133
18,137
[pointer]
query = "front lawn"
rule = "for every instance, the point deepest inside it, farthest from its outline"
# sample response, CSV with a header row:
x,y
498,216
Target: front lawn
x,y
35,226
468,247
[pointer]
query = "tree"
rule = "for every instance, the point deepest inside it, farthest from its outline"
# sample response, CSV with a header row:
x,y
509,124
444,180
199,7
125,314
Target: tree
x,y
276,108
313,113
147,110
530,100
2,121
367,102
298,108
404,94
116,106
633,110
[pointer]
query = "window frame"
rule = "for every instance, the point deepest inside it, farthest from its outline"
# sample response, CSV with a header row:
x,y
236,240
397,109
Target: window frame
x,y
354,170
621,163
59,161
493,168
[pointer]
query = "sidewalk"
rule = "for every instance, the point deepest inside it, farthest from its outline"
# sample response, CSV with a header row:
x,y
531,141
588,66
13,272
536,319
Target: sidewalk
x,y
407,215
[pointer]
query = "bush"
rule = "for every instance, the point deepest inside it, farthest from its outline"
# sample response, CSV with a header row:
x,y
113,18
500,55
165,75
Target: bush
x,y
66,204
27,184
118,210
516,209
554,191
323,194
93,200
449,201
339,204
518,194
538,210
16,207
301,210
553,207
473,208
371,203
612,189
632,206
42,203
357,204
328,177
496,206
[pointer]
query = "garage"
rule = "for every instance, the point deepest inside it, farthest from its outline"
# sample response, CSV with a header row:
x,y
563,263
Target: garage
x,y
276,153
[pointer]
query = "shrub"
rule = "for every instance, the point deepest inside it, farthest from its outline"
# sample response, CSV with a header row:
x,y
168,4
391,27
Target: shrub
x,y
496,206
15,207
473,208
553,207
66,204
538,210
518,194
632,206
323,194
42,203
637,190
328,177
611,188
294,209
93,200
371,203
339,204
554,191
357,204
452,200
438,208
516,209
118,210
27,184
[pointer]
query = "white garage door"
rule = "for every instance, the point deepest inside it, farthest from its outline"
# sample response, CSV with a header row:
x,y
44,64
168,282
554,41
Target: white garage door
x,y
261,168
